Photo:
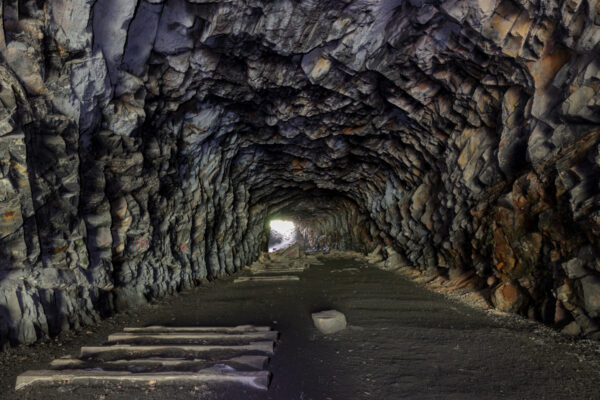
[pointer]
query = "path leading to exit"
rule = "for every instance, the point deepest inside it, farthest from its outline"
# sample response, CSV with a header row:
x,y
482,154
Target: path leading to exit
x,y
402,342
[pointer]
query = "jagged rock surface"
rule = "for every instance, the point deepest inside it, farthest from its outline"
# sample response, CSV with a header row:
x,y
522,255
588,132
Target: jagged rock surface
x,y
145,144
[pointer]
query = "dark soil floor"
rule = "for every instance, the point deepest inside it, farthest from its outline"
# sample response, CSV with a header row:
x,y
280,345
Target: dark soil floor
x,y
402,342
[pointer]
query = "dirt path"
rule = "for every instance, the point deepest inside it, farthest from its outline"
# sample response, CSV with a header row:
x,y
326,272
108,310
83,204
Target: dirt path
x,y
403,342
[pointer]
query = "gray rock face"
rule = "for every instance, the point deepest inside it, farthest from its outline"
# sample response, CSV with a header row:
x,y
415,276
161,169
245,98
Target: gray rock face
x,y
145,144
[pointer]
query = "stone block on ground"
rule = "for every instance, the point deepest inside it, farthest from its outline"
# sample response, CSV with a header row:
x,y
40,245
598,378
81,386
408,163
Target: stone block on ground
x,y
508,297
571,329
394,259
330,321
376,256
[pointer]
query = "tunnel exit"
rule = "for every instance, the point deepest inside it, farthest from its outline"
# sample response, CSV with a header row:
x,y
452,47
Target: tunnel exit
x,y
283,234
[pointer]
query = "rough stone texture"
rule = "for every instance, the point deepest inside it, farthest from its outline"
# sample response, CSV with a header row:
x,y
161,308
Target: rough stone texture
x,y
145,144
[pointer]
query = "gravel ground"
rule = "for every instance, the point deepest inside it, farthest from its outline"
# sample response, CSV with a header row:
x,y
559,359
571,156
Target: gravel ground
x,y
402,341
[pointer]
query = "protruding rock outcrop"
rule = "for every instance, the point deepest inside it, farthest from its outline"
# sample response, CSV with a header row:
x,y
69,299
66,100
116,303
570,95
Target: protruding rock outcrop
x,y
144,145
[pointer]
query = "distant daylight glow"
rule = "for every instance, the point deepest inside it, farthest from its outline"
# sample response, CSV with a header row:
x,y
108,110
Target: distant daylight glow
x,y
285,228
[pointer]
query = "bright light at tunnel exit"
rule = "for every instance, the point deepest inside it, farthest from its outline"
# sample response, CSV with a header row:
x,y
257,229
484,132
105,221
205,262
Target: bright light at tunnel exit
x,y
284,228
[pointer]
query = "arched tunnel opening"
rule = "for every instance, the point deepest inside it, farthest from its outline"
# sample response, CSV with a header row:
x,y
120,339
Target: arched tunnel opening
x,y
435,164
282,234
317,221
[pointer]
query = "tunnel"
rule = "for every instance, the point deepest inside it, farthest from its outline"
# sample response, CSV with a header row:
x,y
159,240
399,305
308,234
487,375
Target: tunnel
x,y
417,146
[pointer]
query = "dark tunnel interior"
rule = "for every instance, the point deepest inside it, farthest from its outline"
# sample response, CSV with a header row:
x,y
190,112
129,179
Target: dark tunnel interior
x,y
146,145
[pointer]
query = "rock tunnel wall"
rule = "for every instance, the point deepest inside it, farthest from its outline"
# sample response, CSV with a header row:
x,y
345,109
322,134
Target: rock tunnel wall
x,y
144,145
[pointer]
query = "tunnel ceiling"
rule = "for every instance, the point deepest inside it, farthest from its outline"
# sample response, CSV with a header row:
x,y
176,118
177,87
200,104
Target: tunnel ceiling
x,y
145,144
336,95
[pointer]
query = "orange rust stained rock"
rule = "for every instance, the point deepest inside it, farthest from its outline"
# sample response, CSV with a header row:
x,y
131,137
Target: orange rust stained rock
x,y
510,293
508,297
503,251
298,164
61,249
522,26
9,214
501,23
352,129
544,70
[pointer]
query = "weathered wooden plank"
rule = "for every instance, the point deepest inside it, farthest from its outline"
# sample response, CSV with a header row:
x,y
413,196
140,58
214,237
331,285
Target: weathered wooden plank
x,y
275,271
224,329
277,267
115,352
199,337
278,278
254,379
162,364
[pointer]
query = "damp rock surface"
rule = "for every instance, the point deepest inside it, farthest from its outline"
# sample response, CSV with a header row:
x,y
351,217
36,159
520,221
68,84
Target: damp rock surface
x,y
144,146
